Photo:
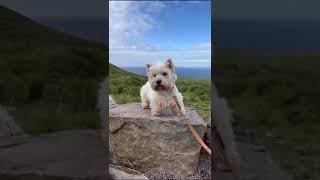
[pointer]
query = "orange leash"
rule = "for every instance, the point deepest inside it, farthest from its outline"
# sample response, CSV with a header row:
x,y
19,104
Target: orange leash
x,y
194,132
198,138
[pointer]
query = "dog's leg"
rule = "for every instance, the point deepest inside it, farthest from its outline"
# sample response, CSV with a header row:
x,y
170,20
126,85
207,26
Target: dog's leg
x,y
180,102
155,108
144,99
145,105
155,112
177,110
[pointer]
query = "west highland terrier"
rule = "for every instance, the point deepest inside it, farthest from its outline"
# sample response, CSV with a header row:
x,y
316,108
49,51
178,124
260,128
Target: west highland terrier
x,y
160,91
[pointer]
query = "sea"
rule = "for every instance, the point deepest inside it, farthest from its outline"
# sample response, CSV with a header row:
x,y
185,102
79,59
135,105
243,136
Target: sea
x,y
194,73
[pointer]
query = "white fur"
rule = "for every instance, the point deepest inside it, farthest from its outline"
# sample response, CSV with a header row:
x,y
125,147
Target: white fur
x,y
160,100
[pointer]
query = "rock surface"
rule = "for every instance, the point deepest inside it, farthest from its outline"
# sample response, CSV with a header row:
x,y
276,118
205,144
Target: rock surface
x,y
118,172
102,99
8,126
224,141
258,165
112,103
254,166
249,161
143,142
77,154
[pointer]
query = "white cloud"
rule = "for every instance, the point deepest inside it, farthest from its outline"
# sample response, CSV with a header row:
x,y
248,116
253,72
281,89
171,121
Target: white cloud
x,y
188,2
129,21
206,45
196,2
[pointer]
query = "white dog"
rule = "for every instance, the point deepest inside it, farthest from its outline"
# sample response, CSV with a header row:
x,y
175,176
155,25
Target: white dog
x,y
160,91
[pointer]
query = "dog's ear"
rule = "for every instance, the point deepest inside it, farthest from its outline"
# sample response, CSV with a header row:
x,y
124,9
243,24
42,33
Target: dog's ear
x,y
170,65
148,66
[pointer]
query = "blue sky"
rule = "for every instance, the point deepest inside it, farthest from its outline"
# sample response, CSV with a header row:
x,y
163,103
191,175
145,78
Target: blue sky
x,y
151,31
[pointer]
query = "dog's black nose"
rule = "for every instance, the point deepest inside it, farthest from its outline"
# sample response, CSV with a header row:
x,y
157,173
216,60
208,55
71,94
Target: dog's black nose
x,y
159,81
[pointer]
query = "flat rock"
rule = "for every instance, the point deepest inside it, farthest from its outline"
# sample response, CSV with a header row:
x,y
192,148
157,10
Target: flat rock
x,y
102,99
77,154
112,103
255,166
120,173
259,165
8,126
143,142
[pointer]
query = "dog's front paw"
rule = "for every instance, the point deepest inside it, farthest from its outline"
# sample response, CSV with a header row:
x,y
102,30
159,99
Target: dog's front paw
x,y
181,113
145,105
155,113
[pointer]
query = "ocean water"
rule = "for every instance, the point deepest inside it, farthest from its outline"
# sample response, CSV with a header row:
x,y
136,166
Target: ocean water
x,y
204,73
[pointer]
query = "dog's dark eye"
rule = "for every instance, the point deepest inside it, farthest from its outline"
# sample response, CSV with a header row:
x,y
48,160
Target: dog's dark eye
x,y
154,75
164,73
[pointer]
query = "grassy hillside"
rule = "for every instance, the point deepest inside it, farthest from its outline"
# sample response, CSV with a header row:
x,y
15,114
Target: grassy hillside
x,y
49,77
125,87
277,98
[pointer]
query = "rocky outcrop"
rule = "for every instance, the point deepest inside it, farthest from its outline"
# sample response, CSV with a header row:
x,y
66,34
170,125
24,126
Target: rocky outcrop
x,y
112,103
258,165
223,136
255,165
102,99
120,173
77,154
8,126
235,155
143,142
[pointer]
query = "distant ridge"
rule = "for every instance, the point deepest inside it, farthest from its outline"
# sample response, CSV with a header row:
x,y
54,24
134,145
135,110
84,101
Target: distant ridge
x,y
10,17
49,77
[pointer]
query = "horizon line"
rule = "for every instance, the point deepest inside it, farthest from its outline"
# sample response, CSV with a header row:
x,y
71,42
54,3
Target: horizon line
x,y
176,67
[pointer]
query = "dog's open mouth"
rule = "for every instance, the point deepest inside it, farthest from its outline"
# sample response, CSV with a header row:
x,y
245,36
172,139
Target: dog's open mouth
x,y
159,88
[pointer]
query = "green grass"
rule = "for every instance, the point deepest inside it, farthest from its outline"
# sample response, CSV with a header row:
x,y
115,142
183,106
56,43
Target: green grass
x,y
49,77
125,87
277,98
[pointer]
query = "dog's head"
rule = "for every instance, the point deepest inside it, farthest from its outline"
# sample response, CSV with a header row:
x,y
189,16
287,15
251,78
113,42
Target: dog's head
x,y
162,77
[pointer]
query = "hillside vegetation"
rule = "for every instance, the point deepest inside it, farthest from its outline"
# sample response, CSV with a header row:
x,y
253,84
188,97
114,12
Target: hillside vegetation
x,y
50,78
125,87
276,98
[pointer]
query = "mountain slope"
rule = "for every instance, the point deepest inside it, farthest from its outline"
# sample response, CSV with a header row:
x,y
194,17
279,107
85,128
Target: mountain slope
x,y
49,78
276,99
